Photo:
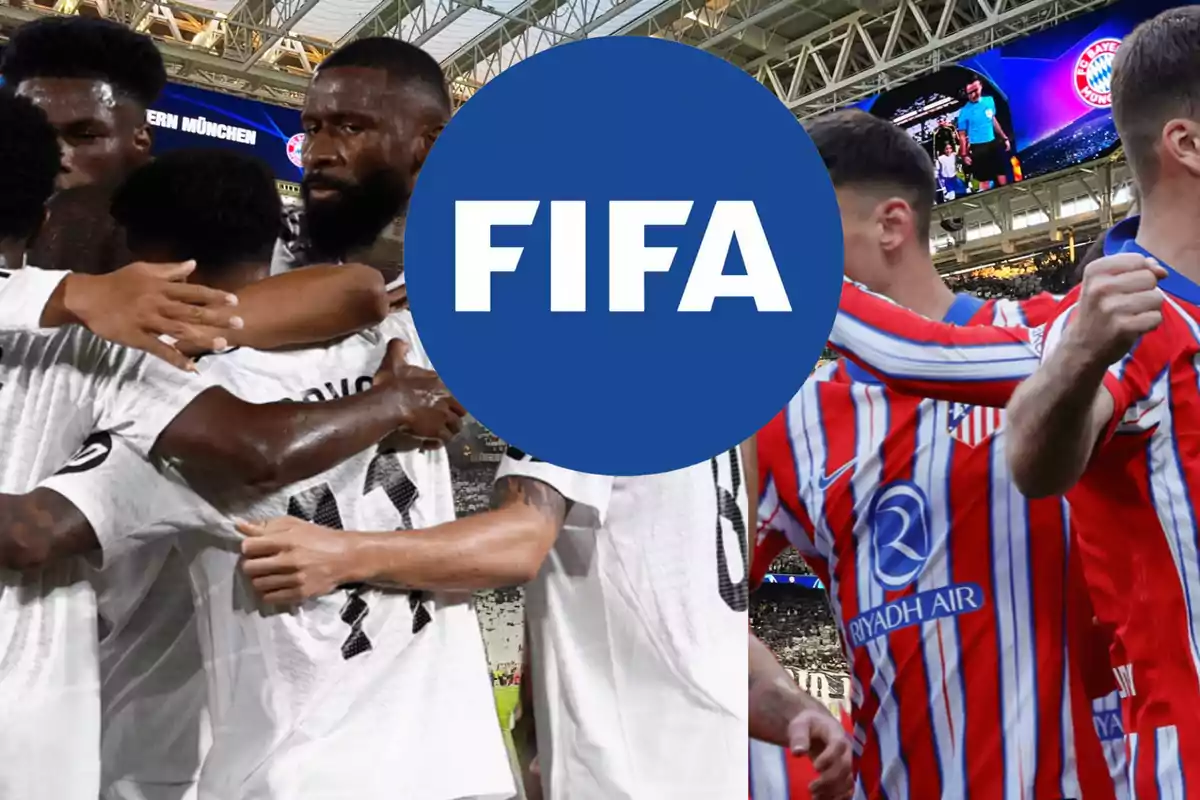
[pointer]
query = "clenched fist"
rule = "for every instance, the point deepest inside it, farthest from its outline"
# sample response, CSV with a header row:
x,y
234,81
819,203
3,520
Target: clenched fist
x,y
1118,303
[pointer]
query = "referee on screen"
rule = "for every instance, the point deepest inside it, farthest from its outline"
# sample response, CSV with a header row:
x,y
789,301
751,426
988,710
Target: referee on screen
x,y
983,144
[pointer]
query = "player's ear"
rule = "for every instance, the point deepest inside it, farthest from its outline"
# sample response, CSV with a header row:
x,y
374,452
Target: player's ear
x,y
897,223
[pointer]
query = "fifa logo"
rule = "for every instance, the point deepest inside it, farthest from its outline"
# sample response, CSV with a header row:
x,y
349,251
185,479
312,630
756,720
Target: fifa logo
x,y
630,258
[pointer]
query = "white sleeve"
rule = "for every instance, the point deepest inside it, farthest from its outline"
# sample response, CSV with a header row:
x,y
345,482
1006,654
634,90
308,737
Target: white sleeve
x,y
23,297
139,394
593,491
126,500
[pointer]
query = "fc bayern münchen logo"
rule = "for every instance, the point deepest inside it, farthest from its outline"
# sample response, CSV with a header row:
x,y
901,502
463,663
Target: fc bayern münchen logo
x,y
295,148
1093,72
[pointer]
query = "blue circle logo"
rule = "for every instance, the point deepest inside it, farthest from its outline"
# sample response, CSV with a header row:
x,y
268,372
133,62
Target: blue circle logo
x,y
623,255
901,534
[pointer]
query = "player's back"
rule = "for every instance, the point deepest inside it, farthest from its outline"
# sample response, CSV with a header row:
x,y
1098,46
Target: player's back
x,y
951,607
56,387
638,623
365,692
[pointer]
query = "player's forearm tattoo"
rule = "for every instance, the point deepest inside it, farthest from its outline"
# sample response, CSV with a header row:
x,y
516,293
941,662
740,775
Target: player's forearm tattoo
x,y
39,527
515,489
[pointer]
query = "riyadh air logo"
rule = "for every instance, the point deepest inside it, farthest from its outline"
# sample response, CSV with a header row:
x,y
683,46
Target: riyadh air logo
x,y
295,150
901,547
900,536
609,278
1093,72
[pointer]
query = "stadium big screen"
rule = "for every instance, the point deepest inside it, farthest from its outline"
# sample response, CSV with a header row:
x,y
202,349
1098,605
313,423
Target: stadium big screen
x,y
1048,93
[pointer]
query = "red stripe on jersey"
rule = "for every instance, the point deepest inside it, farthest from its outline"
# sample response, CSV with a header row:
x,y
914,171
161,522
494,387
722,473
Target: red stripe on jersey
x,y
1012,551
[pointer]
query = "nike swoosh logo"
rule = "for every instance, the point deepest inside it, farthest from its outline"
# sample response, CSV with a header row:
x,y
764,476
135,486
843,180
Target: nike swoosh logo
x,y
825,481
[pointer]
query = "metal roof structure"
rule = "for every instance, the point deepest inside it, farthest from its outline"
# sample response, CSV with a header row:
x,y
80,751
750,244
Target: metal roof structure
x,y
815,55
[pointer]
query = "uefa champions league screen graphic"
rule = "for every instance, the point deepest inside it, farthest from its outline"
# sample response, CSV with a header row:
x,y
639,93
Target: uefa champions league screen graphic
x,y
1049,93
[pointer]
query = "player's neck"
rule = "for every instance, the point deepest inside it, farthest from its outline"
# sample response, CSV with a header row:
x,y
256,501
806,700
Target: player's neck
x,y
919,288
1168,230
386,253
236,276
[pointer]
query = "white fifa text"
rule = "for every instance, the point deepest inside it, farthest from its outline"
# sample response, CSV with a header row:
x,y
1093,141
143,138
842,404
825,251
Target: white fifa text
x,y
476,259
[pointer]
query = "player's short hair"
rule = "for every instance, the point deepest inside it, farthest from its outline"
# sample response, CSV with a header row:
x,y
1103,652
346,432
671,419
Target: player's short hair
x,y
405,64
863,151
30,161
1156,78
84,47
218,207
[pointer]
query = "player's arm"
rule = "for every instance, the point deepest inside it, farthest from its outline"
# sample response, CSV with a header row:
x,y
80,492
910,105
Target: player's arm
x,y
39,527
272,445
289,560
784,714
750,468
309,305
1057,417
976,364
1000,134
133,306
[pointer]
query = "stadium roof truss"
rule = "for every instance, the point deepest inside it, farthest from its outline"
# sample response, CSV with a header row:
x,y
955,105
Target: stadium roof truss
x,y
815,55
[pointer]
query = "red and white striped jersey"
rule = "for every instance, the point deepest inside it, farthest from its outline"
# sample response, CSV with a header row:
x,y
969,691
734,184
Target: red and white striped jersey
x,y
983,364
952,591
1145,481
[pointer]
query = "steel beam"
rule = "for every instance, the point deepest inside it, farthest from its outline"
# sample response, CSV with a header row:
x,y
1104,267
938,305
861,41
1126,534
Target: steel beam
x,y
864,52
1030,215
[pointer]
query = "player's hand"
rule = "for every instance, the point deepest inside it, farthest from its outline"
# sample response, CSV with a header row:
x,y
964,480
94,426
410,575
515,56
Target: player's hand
x,y
1119,302
1007,146
431,415
140,302
822,738
289,560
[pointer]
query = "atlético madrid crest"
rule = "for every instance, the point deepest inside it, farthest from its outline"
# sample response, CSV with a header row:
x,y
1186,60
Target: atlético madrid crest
x,y
295,147
974,425
1093,72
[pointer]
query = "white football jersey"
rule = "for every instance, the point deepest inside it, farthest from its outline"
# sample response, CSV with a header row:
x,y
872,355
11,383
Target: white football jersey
x,y
23,296
638,626
153,694
57,388
364,693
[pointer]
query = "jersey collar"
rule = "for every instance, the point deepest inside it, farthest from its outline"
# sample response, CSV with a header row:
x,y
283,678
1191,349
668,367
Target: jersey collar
x,y
961,311
1122,238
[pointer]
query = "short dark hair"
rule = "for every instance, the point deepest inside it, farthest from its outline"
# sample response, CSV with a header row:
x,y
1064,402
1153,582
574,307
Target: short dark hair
x,y
1156,77
218,207
405,63
30,161
861,150
84,47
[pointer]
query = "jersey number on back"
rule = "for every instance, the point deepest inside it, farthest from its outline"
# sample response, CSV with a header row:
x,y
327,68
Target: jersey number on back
x,y
730,521
319,506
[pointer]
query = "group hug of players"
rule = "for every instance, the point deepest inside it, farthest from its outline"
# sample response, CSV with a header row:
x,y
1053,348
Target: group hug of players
x,y
1018,593
230,567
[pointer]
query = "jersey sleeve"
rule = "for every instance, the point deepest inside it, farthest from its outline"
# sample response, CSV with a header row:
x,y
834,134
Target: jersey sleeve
x,y
781,509
138,395
593,491
1130,381
23,297
121,494
975,364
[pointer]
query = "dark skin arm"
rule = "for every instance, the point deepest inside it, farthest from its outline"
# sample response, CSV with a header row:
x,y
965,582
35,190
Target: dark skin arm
x,y
309,306
290,560
272,445
40,527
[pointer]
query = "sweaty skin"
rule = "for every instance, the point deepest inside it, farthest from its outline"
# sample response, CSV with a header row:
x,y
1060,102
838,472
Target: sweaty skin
x,y
102,135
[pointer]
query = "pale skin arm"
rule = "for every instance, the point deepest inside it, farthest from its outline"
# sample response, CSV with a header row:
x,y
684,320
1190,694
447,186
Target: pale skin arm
x,y
289,560
782,713
750,468
1056,417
